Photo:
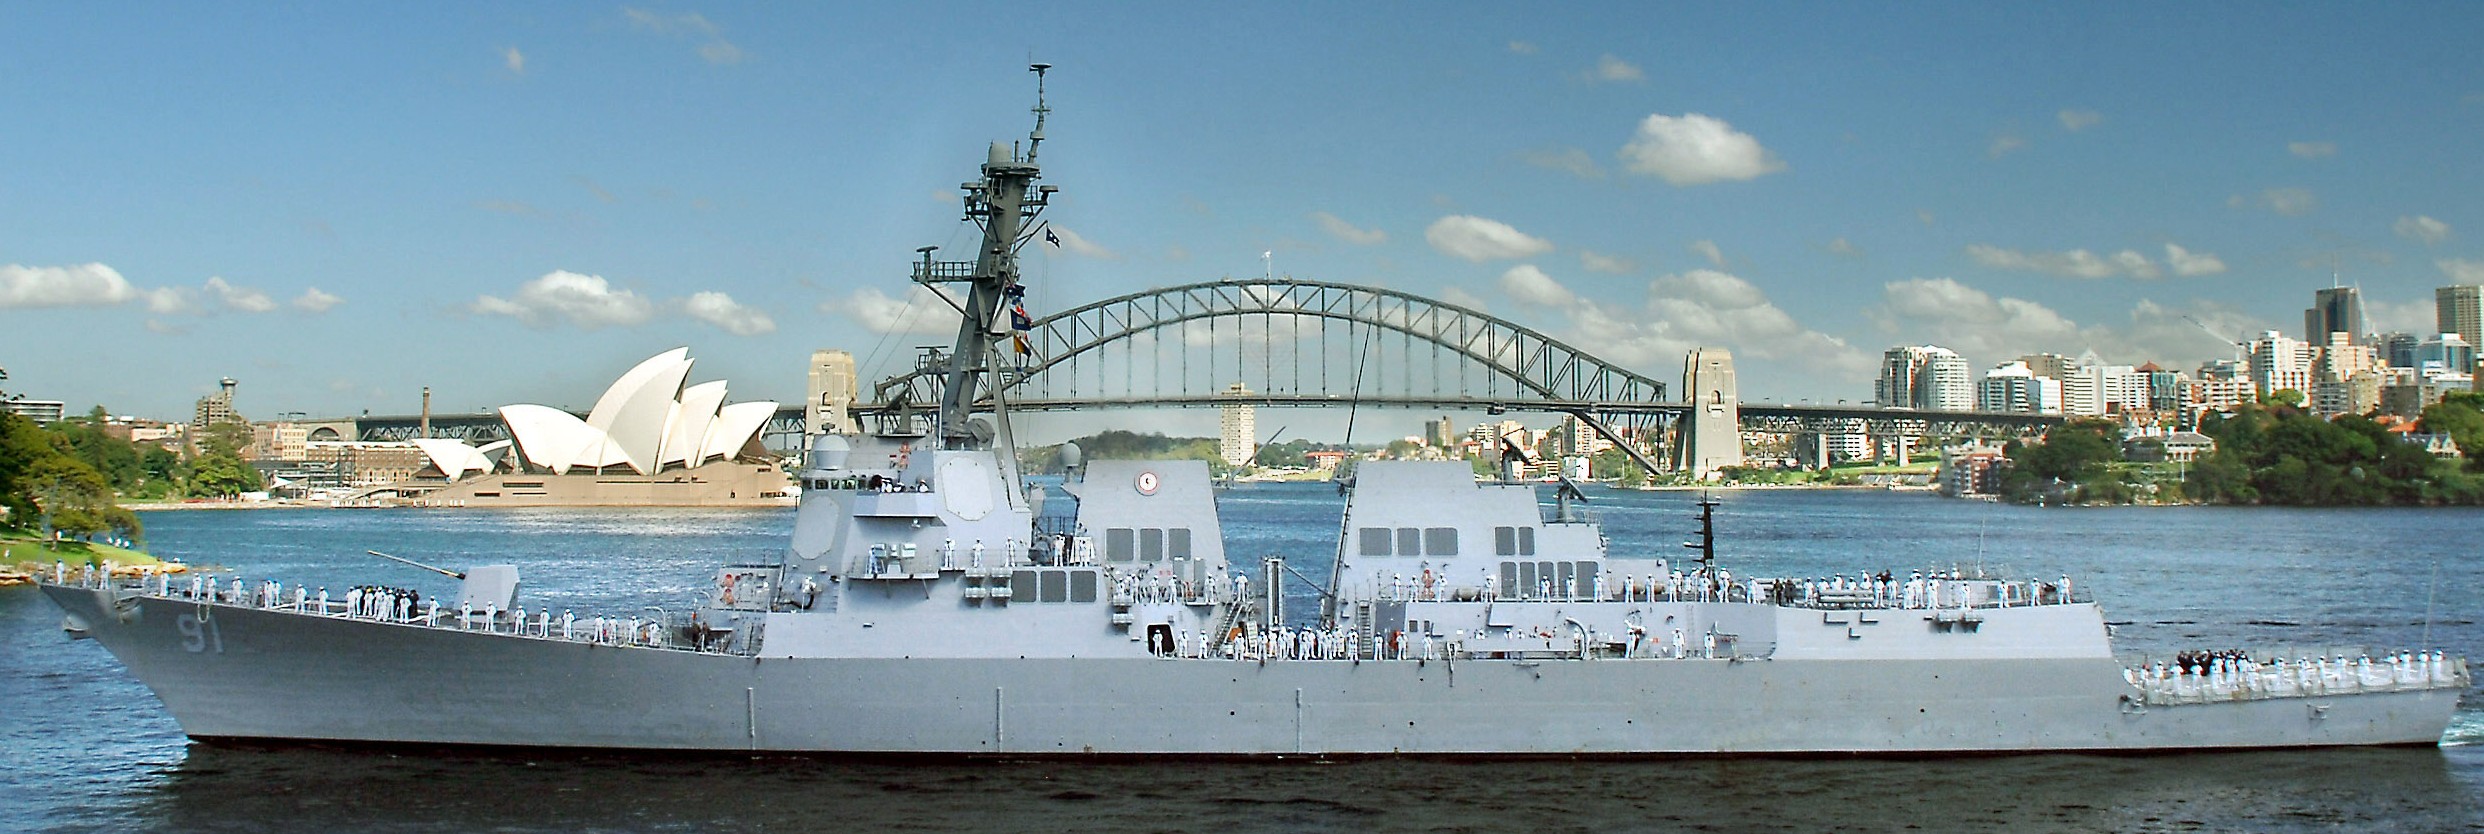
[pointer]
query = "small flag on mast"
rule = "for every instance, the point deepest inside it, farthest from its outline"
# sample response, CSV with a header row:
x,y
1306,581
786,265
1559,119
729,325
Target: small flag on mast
x,y
1051,238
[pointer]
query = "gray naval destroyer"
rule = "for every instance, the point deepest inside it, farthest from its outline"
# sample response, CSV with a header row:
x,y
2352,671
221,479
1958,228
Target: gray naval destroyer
x,y
929,603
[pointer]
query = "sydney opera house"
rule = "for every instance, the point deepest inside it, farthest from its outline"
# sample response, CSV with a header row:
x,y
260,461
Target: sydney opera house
x,y
651,440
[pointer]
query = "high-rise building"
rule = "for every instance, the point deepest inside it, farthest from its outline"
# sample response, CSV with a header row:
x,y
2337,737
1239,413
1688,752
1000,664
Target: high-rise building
x,y
2459,309
2279,363
2333,310
2397,350
2013,387
2164,387
1947,384
214,409
2448,353
1441,433
1238,428
1926,377
1898,368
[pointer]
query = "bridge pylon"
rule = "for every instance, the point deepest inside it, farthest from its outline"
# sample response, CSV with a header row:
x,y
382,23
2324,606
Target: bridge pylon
x,y
1712,429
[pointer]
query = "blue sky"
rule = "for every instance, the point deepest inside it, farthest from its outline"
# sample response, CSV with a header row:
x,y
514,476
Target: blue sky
x,y
516,202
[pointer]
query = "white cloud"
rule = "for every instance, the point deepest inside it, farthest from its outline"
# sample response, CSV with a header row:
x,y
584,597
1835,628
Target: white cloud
x,y
2187,263
1608,264
713,47
1694,149
1989,330
2080,263
1611,68
2291,202
1843,248
2461,270
1528,285
1571,160
2078,120
1708,249
725,314
1479,239
2004,145
316,301
83,285
239,298
1945,312
1522,47
170,301
584,301
1075,244
920,312
513,59
2421,227
1697,308
2312,150
1349,232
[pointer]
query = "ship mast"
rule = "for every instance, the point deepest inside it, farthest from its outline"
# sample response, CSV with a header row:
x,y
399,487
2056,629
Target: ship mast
x,y
1004,204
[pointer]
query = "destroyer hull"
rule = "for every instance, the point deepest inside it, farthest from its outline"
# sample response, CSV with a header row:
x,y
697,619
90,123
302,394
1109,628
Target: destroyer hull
x,y
227,672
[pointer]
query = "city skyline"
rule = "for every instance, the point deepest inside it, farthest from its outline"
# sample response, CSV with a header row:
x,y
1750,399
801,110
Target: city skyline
x,y
340,206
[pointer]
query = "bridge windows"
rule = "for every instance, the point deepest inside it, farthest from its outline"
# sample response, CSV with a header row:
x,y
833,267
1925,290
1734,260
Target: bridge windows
x,y
1513,541
1074,585
1549,580
1146,544
1408,541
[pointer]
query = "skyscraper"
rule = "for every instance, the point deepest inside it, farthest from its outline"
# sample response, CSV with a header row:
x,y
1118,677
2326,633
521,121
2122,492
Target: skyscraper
x,y
1927,377
2334,310
2281,364
2460,309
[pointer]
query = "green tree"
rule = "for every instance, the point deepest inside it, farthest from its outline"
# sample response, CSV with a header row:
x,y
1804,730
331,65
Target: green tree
x,y
2461,416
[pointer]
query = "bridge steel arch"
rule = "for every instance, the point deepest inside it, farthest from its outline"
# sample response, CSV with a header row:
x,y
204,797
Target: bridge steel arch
x,y
1538,370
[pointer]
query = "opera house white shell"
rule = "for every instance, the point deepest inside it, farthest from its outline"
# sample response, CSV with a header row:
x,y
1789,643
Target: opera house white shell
x,y
647,422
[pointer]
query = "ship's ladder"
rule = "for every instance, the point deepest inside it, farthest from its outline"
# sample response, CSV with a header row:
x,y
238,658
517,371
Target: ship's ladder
x,y
1232,615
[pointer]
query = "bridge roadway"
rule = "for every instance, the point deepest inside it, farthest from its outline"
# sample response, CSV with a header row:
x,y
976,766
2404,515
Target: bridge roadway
x,y
1762,417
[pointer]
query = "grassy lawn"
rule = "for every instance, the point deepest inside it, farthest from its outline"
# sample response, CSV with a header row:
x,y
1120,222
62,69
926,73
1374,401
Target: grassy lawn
x,y
24,547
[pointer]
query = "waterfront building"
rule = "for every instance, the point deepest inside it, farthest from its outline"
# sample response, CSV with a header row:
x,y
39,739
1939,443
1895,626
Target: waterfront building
x,y
2014,387
1971,470
2279,363
2459,308
42,412
2333,310
1440,434
1237,438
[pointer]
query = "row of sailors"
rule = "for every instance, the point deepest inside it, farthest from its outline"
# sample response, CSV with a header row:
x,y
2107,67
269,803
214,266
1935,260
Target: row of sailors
x,y
2217,676
1881,591
1161,587
405,606
1286,643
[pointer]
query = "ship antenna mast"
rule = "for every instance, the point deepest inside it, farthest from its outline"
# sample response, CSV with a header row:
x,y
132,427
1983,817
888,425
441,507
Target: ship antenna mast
x,y
1002,203
1706,545
1035,140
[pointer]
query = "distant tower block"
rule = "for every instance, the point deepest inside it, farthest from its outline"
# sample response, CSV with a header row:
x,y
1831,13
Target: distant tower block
x,y
1238,436
830,405
1712,430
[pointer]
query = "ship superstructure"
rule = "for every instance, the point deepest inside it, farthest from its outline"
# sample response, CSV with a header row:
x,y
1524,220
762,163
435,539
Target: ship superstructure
x,y
931,601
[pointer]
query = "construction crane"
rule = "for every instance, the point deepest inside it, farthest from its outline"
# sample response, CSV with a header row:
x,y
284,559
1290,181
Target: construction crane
x,y
2240,352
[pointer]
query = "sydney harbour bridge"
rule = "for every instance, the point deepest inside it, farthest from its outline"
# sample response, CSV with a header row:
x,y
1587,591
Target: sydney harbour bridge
x,y
1286,343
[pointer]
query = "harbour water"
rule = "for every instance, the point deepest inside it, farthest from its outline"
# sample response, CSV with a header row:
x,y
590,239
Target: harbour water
x,y
85,748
